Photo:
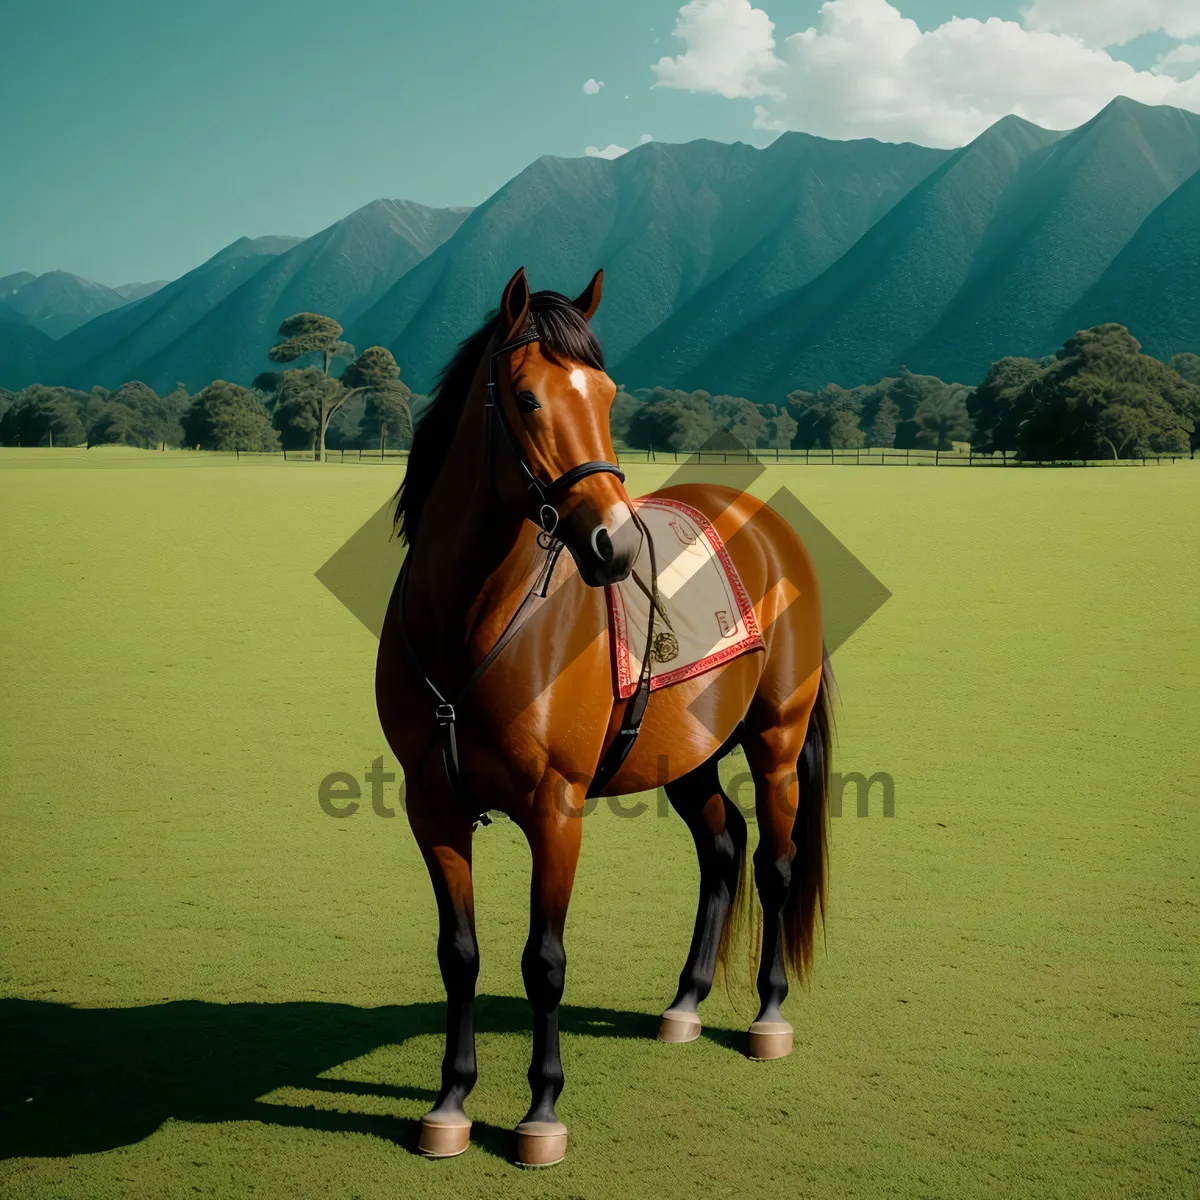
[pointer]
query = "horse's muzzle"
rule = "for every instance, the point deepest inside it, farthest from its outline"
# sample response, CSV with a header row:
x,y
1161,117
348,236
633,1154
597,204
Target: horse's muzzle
x,y
608,550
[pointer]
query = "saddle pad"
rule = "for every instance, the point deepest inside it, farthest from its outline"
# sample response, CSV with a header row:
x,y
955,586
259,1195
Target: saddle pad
x,y
709,616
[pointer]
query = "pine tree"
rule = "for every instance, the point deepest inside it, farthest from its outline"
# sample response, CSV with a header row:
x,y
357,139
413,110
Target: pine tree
x,y
883,429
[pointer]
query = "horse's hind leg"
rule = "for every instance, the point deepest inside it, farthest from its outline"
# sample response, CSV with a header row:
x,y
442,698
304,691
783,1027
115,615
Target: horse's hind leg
x,y
785,784
445,842
719,831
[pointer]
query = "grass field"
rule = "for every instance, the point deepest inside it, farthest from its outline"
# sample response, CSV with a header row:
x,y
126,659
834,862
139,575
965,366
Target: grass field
x,y
212,988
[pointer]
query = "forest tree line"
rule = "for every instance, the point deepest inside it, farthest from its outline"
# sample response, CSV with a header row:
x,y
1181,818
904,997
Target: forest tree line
x,y
339,398
1099,396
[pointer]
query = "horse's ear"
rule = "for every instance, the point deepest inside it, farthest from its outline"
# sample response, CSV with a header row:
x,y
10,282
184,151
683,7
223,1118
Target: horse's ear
x,y
514,307
589,299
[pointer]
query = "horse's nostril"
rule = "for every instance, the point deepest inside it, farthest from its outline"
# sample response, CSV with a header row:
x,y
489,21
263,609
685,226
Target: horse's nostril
x,y
602,544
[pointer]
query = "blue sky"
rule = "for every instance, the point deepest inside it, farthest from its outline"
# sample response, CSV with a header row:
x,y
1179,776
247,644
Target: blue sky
x,y
143,136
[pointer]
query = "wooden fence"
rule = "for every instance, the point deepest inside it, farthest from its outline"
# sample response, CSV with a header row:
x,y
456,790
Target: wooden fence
x,y
769,457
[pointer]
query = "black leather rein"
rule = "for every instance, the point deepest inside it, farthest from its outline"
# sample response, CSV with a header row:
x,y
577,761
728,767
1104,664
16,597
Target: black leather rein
x,y
445,713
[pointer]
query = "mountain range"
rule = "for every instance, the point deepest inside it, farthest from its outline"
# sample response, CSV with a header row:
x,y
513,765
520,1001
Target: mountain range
x,y
729,268
58,302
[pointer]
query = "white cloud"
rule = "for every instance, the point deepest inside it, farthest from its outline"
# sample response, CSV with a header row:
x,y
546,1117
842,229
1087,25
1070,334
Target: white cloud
x,y
1114,22
592,87
867,71
730,49
612,150
1181,63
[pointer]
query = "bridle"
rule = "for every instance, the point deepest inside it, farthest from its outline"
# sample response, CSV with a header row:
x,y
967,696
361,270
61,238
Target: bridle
x,y
544,493
445,711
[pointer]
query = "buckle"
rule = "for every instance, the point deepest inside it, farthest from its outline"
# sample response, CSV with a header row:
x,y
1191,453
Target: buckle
x,y
548,518
444,714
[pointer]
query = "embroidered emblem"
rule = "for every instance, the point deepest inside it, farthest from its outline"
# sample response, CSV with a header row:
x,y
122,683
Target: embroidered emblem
x,y
665,648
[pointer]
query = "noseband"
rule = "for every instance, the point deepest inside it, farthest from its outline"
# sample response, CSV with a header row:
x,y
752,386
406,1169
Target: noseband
x,y
545,493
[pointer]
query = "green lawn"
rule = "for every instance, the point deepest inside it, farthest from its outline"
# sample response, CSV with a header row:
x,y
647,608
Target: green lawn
x,y
212,988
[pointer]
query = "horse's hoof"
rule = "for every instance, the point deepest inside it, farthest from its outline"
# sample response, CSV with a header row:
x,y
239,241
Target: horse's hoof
x,y
541,1143
678,1025
770,1039
444,1136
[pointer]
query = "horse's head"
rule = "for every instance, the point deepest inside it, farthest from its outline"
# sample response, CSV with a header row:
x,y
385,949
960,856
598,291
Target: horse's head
x,y
550,449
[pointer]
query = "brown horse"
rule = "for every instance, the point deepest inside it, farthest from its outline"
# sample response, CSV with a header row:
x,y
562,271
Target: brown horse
x,y
486,496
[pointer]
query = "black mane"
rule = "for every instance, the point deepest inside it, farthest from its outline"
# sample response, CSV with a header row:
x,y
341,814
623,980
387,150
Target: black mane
x,y
565,334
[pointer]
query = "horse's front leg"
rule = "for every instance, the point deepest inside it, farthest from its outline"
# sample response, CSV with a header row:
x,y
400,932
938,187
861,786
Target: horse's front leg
x,y
444,836
554,830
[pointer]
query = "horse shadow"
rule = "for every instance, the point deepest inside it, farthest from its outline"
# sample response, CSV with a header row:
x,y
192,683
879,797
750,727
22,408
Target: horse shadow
x,y
83,1080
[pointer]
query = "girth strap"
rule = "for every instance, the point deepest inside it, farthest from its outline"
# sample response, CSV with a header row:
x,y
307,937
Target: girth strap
x,y
631,721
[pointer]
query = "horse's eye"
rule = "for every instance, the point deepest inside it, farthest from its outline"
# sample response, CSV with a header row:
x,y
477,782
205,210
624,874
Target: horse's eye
x,y
528,401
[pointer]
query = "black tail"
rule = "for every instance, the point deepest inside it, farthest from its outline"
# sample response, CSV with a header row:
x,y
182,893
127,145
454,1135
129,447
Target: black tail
x,y
806,898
